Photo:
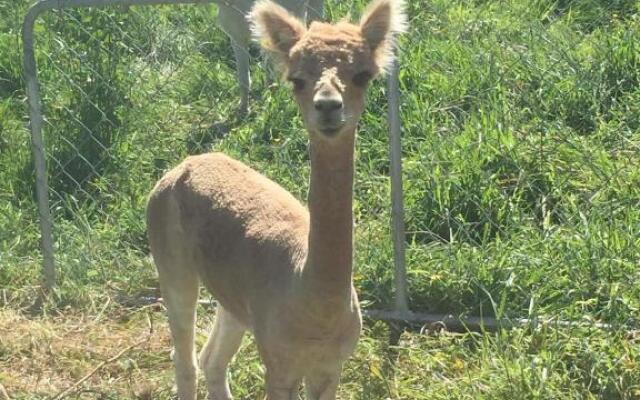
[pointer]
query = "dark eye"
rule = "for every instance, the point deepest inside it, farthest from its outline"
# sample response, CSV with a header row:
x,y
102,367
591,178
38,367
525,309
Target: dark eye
x,y
298,84
362,78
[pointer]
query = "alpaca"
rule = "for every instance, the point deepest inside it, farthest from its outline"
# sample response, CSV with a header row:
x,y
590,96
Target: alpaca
x,y
277,270
232,17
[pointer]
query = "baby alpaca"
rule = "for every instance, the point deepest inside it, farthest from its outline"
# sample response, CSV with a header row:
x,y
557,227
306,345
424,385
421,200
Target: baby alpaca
x,y
277,270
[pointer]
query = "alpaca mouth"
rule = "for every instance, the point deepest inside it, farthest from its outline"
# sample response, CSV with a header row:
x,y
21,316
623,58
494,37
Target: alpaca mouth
x,y
330,128
330,131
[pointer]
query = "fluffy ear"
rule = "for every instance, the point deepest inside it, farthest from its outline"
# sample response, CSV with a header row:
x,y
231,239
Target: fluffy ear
x,y
381,23
275,29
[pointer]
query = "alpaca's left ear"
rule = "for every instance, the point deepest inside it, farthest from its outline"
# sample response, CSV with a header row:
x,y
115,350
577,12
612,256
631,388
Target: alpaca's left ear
x,y
381,23
275,28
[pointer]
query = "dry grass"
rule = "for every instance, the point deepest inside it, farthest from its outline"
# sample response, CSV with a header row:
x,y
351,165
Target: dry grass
x,y
43,356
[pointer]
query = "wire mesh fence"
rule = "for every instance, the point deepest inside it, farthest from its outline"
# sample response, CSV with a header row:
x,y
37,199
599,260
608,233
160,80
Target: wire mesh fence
x,y
519,144
91,61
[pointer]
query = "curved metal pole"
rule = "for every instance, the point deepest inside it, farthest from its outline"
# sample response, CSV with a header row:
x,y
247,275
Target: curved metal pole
x,y
36,118
37,145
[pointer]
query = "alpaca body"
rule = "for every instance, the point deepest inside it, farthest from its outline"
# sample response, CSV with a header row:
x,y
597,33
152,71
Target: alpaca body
x,y
231,221
246,240
244,236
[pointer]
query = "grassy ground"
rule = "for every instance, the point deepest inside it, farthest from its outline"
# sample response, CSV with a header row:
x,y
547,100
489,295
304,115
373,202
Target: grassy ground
x,y
521,134
126,354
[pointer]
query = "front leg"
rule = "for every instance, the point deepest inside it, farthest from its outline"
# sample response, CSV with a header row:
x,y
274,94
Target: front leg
x,y
282,383
323,384
282,393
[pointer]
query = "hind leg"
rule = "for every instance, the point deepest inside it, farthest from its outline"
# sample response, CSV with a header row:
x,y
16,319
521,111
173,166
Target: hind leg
x,y
231,19
222,344
244,80
180,292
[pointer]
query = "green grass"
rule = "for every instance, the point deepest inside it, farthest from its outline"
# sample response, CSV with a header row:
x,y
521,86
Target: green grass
x,y
521,139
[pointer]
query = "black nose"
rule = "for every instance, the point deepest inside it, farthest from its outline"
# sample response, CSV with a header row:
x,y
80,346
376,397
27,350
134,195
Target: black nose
x,y
328,104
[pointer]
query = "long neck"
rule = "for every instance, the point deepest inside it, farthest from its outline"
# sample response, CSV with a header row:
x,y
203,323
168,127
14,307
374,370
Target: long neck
x,y
330,258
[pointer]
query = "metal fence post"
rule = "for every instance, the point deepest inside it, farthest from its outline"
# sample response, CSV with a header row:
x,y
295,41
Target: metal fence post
x,y
37,146
397,201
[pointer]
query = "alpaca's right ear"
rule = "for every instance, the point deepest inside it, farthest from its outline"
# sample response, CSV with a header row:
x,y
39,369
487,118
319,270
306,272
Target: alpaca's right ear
x,y
276,29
